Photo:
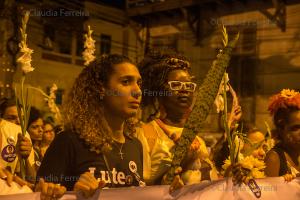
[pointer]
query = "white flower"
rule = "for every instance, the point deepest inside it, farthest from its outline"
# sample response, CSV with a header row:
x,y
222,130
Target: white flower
x,y
89,45
270,143
51,100
239,144
53,90
25,60
219,101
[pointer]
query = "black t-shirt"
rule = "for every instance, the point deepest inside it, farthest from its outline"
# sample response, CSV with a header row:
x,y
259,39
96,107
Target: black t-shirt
x,y
68,157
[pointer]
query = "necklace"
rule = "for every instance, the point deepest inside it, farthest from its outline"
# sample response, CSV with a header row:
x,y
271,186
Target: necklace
x,y
120,150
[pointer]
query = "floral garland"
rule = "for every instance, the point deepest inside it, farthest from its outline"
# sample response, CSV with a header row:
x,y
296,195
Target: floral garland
x,y
89,45
286,98
205,98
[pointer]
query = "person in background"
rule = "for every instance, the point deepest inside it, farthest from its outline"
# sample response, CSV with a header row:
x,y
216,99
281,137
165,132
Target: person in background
x,y
13,145
256,145
8,110
283,159
35,130
48,137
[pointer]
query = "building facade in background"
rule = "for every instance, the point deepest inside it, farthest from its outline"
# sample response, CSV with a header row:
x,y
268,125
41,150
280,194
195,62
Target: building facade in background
x,y
265,61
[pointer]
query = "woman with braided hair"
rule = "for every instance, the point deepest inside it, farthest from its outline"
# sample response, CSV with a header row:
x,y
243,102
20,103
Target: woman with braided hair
x,y
169,90
283,159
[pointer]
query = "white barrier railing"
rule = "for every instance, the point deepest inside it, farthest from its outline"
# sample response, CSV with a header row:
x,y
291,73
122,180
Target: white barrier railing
x,y
271,189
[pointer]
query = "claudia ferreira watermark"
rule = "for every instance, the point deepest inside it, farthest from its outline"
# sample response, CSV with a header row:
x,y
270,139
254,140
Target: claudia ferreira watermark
x,y
144,92
246,22
58,13
243,188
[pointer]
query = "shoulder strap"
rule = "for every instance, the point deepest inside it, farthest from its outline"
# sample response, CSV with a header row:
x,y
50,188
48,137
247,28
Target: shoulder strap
x,y
283,162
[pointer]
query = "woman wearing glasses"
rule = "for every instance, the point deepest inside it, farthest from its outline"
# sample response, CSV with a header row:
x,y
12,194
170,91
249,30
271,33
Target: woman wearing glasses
x,y
168,95
48,137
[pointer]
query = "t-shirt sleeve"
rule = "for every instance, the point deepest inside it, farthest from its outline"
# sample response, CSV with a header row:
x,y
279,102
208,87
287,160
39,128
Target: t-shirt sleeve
x,y
57,160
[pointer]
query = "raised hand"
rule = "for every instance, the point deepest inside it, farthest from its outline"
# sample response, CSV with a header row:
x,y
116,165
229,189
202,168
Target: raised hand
x,y
236,110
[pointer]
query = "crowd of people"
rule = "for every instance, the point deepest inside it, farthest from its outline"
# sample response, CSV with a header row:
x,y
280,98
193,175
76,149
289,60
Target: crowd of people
x,y
107,142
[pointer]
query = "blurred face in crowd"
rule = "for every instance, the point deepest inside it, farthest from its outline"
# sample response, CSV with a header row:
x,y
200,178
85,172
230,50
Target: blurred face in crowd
x,y
181,89
258,140
48,134
123,91
11,115
291,131
35,130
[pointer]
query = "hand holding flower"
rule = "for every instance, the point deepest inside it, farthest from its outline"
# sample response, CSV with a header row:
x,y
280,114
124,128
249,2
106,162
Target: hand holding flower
x,y
24,146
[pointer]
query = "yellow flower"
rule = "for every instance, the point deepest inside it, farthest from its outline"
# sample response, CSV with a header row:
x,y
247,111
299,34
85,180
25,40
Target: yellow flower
x,y
226,164
255,173
258,164
247,163
251,162
287,93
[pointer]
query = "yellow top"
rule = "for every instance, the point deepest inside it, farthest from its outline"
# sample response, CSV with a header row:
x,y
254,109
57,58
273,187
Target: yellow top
x,y
158,160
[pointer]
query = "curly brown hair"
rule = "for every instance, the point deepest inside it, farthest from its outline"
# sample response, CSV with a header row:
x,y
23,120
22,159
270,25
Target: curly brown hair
x,y
84,109
154,69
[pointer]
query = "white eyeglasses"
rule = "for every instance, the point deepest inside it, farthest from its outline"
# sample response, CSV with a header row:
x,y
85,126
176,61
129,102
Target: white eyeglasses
x,y
177,85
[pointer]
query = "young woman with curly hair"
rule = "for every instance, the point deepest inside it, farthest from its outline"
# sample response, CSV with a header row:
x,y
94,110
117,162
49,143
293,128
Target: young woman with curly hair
x,y
97,141
169,92
283,159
